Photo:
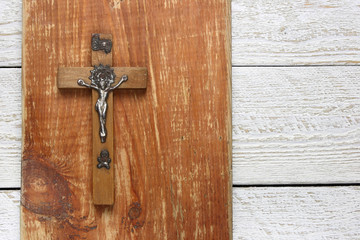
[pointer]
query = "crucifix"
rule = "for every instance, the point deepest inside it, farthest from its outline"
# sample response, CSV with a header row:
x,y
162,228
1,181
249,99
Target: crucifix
x,y
103,80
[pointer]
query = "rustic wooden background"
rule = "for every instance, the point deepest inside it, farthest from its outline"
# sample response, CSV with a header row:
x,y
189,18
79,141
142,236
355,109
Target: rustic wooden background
x,y
296,119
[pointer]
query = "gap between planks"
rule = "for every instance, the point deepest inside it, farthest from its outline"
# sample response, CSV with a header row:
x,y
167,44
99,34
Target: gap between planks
x,y
254,66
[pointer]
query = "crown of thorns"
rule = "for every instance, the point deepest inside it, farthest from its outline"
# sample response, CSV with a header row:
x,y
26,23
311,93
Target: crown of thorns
x,y
102,73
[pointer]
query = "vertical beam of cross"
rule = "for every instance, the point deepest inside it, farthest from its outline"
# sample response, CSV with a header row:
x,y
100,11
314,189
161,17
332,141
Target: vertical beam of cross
x,y
103,178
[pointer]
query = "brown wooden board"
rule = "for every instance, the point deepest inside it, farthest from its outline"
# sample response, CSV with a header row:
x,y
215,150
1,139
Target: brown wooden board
x,y
172,142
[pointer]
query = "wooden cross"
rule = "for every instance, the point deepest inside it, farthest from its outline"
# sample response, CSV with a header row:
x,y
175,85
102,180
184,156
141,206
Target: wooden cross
x,y
103,170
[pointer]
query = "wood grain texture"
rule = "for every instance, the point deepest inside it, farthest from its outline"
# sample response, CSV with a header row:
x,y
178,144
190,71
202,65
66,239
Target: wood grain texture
x,y
262,221
296,125
10,127
295,32
172,141
303,213
10,215
10,33
68,76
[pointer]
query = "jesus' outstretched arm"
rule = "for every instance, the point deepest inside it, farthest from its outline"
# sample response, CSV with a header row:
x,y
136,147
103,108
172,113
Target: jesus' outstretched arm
x,y
83,83
124,78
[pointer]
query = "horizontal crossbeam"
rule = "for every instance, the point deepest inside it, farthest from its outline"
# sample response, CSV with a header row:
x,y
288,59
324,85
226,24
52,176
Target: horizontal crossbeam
x,y
68,77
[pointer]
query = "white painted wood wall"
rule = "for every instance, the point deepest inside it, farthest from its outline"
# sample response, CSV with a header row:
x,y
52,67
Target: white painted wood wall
x,y
296,119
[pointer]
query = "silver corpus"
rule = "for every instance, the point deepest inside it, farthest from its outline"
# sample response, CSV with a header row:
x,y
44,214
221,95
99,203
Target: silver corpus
x,y
102,77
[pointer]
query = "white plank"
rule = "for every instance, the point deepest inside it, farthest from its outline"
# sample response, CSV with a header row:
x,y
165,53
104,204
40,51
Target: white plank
x,y
264,32
10,215
296,213
281,32
260,213
290,125
10,32
296,125
10,127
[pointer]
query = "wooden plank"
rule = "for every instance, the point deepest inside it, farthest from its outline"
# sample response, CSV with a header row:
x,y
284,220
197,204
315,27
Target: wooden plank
x,y
326,163
173,141
102,179
10,33
68,76
297,213
261,213
10,127
296,125
10,215
256,126
295,32
268,33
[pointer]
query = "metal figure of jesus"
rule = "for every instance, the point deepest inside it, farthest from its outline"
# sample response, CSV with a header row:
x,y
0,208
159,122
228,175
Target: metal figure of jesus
x,y
102,77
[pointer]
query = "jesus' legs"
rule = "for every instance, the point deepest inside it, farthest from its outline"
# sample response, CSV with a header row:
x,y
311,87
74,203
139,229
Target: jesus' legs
x,y
101,109
102,129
